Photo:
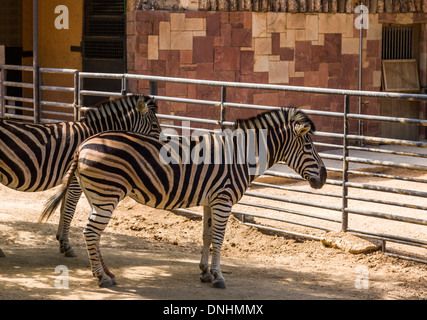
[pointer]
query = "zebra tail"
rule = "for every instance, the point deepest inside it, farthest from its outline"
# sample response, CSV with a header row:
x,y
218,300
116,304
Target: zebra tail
x,y
53,202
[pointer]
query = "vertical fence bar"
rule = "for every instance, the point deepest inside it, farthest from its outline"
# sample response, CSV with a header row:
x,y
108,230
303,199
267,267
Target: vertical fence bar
x,y
124,89
360,69
153,88
344,222
223,100
80,87
76,96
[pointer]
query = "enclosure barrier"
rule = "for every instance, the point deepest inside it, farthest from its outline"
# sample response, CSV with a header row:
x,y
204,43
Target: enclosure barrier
x,y
319,211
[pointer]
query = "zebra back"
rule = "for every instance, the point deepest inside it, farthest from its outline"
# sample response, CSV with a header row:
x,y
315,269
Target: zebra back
x,y
34,157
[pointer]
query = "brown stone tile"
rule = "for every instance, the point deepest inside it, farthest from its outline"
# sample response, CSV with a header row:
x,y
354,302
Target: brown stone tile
x,y
373,48
296,81
204,71
208,93
226,35
267,99
195,14
287,54
247,20
303,56
323,75
318,54
172,63
141,61
241,37
226,58
132,43
225,76
176,89
275,43
311,79
203,49
246,62
332,47
144,27
213,24
236,18
185,56
158,68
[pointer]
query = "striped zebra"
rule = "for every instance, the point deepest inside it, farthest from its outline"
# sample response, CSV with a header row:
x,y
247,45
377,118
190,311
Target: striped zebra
x,y
162,174
35,157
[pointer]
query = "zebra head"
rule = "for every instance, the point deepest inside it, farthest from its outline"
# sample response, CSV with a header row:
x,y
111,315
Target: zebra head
x,y
146,122
302,155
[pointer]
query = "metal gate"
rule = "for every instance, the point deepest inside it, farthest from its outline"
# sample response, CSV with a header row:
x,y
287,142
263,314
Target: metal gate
x,y
376,187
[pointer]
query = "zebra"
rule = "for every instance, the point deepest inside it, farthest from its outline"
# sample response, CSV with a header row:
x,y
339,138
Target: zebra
x,y
35,157
112,165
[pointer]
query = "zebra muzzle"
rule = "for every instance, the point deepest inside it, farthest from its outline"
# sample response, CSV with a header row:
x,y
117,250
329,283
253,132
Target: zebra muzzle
x,y
317,181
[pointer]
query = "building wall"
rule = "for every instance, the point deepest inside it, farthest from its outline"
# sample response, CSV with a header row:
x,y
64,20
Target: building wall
x,y
54,44
315,50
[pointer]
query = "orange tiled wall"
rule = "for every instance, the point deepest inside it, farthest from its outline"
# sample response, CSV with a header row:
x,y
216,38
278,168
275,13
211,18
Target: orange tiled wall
x,y
316,50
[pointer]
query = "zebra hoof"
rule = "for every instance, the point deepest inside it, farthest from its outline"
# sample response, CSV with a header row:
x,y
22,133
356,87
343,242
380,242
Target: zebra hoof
x,y
220,284
206,277
70,253
2,255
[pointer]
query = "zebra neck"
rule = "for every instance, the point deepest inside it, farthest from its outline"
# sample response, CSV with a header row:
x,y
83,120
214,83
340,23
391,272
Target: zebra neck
x,y
257,151
98,120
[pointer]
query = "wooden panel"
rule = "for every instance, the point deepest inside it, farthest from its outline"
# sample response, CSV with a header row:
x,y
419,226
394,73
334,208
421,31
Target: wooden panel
x,y
404,109
400,75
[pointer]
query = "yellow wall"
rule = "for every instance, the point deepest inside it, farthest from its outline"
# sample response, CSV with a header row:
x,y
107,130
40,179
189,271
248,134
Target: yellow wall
x,y
54,49
54,44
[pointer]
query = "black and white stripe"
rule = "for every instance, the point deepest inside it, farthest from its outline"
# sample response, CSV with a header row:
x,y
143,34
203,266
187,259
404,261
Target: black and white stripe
x,y
113,165
35,157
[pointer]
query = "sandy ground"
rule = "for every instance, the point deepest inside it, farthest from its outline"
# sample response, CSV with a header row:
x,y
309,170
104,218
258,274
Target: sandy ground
x,y
155,255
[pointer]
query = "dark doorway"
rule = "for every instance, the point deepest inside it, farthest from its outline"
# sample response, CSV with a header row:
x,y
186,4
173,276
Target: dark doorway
x,y
104,45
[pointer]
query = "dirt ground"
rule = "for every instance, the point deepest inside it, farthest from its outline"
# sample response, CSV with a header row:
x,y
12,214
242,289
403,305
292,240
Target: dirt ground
x,y
155,255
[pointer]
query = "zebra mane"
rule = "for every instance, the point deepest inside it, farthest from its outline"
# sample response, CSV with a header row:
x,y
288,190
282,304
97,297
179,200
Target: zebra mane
x,y
276,118
97,108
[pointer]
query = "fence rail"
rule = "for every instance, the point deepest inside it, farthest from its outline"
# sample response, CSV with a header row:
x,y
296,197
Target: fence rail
x,y
366,173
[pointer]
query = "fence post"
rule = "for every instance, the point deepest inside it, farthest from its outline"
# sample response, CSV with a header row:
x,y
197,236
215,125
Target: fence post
x,y
76,96
344,222
152,88
124,89
223,99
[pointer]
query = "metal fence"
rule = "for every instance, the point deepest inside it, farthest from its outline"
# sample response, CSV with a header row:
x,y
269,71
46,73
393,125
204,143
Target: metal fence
x,y
376,186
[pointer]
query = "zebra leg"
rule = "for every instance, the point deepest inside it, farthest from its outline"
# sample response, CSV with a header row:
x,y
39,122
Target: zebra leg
x,y
98,221
206,276
68,207
2,254
220,215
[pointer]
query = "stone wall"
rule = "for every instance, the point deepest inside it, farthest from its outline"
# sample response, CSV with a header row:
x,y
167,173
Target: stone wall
x,y
316,50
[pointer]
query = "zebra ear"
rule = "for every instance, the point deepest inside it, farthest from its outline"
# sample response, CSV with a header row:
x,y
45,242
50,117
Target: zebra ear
x,y
301,129
141,106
